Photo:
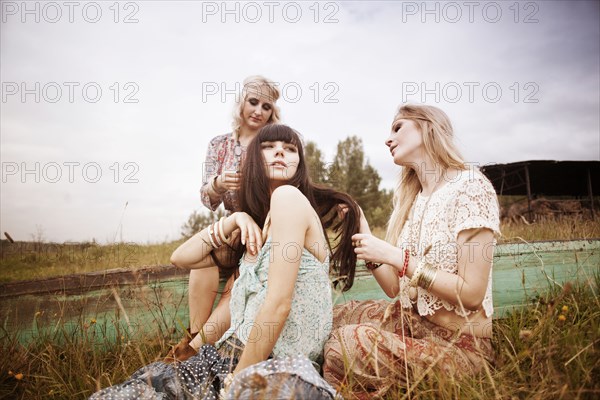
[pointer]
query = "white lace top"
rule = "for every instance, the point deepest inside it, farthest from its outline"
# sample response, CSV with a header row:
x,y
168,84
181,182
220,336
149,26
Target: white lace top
x,y
467,201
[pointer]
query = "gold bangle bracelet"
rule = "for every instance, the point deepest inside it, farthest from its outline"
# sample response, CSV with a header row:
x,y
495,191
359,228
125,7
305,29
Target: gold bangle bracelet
x,y
414,280
222,235
427,276
217,236
210,237
432,279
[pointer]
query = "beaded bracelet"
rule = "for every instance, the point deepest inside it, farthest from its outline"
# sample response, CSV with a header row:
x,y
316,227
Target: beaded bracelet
x,y
405,263
371,266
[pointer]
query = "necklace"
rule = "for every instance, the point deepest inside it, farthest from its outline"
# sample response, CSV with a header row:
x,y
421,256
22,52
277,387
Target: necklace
x,y
238,150
412,219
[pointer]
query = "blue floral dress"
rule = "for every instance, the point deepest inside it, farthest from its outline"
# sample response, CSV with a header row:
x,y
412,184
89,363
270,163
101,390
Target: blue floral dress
x,y
290,372
311,316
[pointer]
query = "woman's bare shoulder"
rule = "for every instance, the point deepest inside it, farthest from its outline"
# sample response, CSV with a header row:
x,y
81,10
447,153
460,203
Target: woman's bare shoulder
x,y
290,199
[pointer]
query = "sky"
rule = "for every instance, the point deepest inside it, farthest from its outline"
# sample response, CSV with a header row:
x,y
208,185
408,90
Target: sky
x,y
107,107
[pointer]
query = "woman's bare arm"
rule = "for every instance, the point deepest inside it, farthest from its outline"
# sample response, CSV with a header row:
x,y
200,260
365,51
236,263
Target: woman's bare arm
x,y
291,215
195,252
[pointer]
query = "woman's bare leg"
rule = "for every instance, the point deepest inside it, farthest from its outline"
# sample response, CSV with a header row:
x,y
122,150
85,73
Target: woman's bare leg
x,y
202,291
218,322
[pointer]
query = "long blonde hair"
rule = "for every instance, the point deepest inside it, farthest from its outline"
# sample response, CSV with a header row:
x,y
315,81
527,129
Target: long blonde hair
x,y
255,84
436,128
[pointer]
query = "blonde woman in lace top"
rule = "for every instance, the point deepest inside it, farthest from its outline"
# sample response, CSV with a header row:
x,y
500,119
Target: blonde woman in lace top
x,y
436,261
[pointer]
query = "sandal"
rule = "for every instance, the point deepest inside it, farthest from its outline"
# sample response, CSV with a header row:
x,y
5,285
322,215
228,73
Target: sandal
x,y
182,351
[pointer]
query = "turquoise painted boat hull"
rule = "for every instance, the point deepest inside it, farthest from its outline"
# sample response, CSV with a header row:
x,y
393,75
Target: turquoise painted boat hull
x,y
121,304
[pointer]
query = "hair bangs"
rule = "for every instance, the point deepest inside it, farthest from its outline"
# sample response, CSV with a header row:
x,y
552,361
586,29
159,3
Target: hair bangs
x,y
280,133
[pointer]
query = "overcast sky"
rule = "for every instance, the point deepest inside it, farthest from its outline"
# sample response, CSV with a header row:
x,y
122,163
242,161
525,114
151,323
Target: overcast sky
x,y
105,105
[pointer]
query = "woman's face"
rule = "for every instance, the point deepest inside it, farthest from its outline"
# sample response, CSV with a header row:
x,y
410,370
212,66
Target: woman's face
x,y
405,141
281,161
257,110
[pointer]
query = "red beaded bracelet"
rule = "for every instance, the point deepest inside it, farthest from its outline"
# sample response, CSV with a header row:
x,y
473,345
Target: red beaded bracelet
x,y
405,265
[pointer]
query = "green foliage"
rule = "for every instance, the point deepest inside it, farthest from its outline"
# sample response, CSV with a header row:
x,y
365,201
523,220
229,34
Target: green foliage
x,y
316,165
351,173
198,221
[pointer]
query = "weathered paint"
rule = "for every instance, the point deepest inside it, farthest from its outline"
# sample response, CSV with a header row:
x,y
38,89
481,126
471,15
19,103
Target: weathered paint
x,y
157,302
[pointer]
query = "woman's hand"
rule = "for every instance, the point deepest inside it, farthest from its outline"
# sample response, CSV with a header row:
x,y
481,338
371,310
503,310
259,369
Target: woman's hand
x,y
250,232
370,248
228,180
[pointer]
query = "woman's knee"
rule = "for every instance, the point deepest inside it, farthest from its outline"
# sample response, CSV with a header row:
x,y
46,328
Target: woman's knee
x,y
204,278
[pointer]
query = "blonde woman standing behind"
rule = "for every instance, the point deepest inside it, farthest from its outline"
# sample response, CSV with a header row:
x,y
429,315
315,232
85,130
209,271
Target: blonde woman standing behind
x,y
437,258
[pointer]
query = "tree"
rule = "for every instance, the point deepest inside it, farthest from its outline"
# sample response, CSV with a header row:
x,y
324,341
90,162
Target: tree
x,y
316,165
350,173
198,221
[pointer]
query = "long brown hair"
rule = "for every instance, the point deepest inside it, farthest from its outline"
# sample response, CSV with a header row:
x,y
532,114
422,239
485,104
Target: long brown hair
x,y
255,197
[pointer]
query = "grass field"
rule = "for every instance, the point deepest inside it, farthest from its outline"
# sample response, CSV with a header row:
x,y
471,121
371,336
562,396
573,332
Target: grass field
x,y
28,260
548,350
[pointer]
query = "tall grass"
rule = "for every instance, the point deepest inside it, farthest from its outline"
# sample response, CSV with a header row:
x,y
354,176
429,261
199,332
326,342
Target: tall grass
x,y
548,350
551,228
70,359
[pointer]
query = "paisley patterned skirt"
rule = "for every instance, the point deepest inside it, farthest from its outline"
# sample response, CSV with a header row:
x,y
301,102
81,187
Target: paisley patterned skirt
x,y
375,344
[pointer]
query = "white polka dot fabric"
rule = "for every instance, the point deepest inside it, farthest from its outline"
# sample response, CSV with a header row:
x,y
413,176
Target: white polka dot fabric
x,y
202,377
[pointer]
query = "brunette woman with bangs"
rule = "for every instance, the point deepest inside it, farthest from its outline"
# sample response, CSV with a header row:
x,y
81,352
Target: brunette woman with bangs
x,y
280,312
255,108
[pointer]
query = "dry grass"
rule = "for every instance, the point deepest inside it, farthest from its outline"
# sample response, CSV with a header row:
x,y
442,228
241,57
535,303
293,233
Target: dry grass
x,y
565,228
28,260
549,350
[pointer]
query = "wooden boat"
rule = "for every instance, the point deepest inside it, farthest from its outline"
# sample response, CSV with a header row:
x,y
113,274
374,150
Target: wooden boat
x,y
117,304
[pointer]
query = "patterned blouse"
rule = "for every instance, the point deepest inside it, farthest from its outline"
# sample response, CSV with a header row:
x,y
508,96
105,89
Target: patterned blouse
x,y
224,153
468,201
311,316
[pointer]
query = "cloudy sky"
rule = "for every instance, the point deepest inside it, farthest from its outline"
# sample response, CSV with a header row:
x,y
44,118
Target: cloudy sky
x,y
107,108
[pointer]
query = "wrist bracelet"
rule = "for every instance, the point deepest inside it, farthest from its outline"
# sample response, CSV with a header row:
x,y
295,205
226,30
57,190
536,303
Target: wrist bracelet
x,y
405,263
414,280
427,276
210,237
371,266
217,236
222,235
432,279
